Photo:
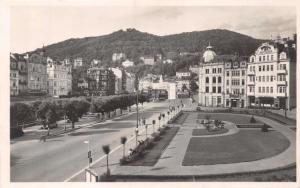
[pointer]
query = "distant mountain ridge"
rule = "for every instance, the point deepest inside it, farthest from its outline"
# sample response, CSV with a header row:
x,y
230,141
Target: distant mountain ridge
x,y
135,44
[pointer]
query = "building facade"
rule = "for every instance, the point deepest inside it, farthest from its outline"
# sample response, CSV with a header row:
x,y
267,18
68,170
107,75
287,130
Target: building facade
x,y
271,75
118,56
235,83
101,81
211,79
59,78
78,62
37,74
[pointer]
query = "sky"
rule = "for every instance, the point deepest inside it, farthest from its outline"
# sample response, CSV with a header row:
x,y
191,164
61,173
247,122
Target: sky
x,y
32,27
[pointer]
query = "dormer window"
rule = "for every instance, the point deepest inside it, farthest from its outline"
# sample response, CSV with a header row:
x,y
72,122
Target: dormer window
x,y
282,55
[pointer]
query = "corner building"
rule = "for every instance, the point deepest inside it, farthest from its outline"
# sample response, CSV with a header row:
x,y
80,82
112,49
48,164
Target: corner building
x,y
272,75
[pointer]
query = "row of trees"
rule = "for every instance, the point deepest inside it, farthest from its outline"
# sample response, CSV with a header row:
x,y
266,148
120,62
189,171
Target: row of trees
x,y
48,112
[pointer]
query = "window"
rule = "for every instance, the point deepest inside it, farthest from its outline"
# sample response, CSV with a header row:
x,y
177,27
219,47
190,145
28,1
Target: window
x,y
214,89
55,83
214,70
243,91
263,68
207,80
207,71
259,89
214,79
263,58
227,73
227,82
267,89
267,57
55,76
268,67
219,89
263,78
267,78
271,89
259,58
219,70
271,67
243,72
219,79
259,78
259,68
207,89
271,78
227,91
271,57
243,82
252,59
263,89
284,67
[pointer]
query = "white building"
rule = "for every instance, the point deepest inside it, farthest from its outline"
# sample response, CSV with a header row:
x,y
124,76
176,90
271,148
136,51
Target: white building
x,y
130,80
149,60
118,80
272,75
95,62
78,62
185,75
118,56
127,63
211,82
59,78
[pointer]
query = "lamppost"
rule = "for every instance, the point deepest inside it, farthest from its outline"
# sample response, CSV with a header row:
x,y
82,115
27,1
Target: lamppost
x,y
159,118
285,95
163,115
89,152
153,123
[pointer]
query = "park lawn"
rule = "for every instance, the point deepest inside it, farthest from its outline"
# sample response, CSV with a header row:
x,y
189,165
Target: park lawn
x,y
246,145
152,155
201,132
234,118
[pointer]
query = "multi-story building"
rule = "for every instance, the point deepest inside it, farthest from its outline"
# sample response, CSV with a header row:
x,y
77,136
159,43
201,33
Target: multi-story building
x,y
130,81
235,79
149,60
78,62
119,82
185,75
59,78
127,63
272,75
118,56
37,74
101,81
211,79
14,76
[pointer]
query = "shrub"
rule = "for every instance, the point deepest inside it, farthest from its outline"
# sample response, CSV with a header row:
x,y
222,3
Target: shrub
x,y
16,132
264,128
252,119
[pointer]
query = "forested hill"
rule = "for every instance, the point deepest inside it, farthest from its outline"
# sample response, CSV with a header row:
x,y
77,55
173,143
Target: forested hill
x,y
135,44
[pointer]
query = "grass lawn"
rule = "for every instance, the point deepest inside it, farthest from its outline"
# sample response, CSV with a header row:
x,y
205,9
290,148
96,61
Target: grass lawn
x,y
200,132
153,155
246,145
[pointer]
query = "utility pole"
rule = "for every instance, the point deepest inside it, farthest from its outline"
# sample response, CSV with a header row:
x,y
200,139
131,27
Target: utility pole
x,y
285,93
137,109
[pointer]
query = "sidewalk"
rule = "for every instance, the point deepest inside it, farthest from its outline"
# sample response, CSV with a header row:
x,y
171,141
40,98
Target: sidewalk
x,y
170,162
99,165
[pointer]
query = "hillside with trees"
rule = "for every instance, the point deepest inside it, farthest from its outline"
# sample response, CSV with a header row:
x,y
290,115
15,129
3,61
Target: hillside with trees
x,y
135,44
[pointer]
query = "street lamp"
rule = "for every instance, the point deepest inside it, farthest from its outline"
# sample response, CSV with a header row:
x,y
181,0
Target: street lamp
x,y
163,115
159,118
153,123
136,135
285,94
89,152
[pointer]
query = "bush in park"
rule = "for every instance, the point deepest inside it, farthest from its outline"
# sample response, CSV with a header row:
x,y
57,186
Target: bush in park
x,y
252,119
21,113
71,113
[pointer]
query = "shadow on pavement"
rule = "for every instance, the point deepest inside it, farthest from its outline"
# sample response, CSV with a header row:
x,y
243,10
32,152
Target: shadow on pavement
x,y
113,126
92,132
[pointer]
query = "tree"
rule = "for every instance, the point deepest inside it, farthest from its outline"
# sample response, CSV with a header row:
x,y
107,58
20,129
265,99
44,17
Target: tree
x,y
71,113
20,112
194,86
51,117
45,110
123,141
106,150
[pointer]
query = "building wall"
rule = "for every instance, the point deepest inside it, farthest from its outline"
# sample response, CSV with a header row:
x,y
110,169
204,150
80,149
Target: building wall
x,y
37,74
14,82
235,84
59,79
211,89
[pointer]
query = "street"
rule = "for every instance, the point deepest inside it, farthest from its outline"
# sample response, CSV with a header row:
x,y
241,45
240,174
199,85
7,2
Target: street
x,y
60,157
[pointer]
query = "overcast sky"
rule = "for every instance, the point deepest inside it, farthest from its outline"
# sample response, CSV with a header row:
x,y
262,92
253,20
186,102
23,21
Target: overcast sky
x,y
31,27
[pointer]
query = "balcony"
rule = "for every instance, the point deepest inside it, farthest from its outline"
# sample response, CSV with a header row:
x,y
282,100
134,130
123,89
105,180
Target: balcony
x,y
250,73
251,83
282,83
282,71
